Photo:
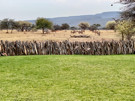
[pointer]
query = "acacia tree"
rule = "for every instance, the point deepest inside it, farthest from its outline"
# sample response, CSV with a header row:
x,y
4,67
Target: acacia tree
x,y
126,25
12,25
24,25
5,24
56,27
126,28
111,25
43,23
84,25
73,28
94,27
8,24
65,26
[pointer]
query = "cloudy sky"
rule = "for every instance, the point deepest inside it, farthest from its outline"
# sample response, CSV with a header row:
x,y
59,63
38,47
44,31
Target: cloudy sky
x,y
31,9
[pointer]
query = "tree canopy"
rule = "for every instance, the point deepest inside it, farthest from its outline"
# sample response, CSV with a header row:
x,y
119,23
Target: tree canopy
x,y
24,25
65,26
84,25
56,27
94,27
8,24
43,24
111,25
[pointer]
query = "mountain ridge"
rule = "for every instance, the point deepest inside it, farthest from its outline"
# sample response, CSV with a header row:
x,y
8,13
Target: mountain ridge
x,y
100,18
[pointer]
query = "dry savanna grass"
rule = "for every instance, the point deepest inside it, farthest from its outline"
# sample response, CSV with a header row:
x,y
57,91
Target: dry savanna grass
x,y
107,35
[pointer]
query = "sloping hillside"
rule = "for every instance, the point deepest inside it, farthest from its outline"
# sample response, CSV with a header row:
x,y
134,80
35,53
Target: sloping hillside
x,y
100,18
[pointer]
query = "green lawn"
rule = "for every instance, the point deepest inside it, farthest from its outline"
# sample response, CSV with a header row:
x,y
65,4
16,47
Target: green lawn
x,y
67,78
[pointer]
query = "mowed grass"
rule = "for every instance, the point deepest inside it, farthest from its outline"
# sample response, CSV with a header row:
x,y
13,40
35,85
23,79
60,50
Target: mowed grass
x,y
67,78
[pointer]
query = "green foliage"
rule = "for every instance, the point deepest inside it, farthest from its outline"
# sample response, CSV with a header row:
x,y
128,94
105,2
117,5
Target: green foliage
x,y
24,25
56,27
12,24
126,28
94,27
8,24
84,25
43,24
73,28
111,25
5,24
65,26
67,78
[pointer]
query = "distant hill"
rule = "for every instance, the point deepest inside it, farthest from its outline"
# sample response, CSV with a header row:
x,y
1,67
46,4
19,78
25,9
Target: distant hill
x,y
100,18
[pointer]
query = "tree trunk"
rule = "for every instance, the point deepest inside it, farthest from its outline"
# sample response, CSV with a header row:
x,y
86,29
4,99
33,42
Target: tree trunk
x,y
122,37
11,30
43,30
22,29
7,31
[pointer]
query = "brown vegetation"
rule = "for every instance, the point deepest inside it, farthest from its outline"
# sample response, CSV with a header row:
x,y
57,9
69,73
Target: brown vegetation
x,y
107,35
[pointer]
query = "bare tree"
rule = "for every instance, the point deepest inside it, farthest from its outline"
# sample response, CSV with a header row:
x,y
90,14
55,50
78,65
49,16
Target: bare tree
x,y
129,9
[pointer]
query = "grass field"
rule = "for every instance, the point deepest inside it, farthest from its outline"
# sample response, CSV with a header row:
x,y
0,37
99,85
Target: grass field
x,y
59,36
67,78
